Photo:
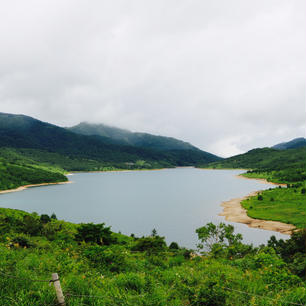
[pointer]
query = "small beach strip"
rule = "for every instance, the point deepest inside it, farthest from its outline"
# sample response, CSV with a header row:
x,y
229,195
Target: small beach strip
x,y
234,212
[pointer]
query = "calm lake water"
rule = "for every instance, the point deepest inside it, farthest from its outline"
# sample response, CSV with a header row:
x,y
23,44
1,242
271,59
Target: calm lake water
x,y
173,201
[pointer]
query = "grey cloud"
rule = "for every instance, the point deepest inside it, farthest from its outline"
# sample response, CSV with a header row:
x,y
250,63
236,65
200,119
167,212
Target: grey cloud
x,y
224,75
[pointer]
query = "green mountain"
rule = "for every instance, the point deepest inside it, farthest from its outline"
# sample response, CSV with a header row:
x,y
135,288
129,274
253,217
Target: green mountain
x,y
282,165
293,144
126,137
46,142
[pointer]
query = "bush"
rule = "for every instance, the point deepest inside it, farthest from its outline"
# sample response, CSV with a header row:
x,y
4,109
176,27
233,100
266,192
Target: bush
x,y
45,219
22,241
31,225
292,251
130,281
111,258
174,246
150,244
210,295
95,233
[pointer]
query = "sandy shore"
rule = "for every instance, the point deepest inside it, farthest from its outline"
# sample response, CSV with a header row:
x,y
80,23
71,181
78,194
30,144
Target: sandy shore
x,y
234,212
33,185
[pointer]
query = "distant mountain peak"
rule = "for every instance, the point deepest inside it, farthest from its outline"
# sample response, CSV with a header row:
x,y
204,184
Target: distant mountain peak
x,y
292,144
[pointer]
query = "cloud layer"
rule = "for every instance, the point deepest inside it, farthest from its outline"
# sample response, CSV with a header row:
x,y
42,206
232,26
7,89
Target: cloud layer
x,y
226,76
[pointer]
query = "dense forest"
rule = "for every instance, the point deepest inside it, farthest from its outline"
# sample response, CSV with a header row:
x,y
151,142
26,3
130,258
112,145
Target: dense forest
x,y
22,132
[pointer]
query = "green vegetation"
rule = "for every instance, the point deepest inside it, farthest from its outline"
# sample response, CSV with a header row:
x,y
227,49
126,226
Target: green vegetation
x,y
32,152
287,205
125,137
17,170
293,144
143,271
288,167
281,166
68,148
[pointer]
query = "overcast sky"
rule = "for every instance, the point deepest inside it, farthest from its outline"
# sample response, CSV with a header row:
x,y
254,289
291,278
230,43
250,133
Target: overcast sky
x,y
225,75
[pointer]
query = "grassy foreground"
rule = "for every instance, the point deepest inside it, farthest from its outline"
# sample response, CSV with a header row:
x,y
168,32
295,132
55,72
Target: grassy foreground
x,y
99,267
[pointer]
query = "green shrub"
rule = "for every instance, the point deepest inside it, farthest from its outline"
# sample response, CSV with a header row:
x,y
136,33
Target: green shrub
x,y
96,233
22,241
112,258
150,244
130,281
174,246
32,225
45,219
210,295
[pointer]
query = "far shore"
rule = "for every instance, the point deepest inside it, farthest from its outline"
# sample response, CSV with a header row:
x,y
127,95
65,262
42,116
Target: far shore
x,y
234,212
32,185
264,181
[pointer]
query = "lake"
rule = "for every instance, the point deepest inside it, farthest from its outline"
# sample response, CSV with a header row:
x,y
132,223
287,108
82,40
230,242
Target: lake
x,y
173,201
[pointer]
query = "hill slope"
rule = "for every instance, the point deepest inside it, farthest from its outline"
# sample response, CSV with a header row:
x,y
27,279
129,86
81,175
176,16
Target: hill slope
x,y
126,137
23,132
283,165
293,144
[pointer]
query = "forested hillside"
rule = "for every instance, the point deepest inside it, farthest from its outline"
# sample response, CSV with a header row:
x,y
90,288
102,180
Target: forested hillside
x,y
279,165
143,140
22,132
18,170
32,152
292,144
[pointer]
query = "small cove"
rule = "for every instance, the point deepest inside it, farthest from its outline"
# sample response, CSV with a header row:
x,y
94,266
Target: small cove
x,y
173,201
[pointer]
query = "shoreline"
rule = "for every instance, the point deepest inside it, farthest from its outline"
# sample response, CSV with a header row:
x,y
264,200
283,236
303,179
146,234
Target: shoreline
x,y
232,209
20,188
262,180
234,212
71,173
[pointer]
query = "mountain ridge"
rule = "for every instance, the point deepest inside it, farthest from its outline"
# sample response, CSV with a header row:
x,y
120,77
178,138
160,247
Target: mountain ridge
x,y
127,137
24,132
291,144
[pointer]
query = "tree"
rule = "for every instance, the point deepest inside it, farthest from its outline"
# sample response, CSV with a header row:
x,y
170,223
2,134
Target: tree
x,y
45,219
213,236
53,216
154,232
31,225
96,233
150,244
174,246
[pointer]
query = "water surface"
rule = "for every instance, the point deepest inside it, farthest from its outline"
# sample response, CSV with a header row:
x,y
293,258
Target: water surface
x,y
173,201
